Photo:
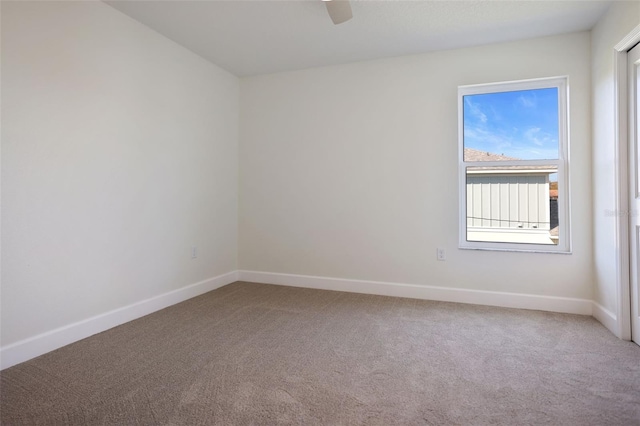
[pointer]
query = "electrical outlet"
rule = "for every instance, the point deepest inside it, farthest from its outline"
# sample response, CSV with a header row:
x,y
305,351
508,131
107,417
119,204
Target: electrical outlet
x,y
194,252
440,254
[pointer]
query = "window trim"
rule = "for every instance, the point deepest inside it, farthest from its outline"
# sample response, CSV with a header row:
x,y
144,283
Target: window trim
x,y
564,203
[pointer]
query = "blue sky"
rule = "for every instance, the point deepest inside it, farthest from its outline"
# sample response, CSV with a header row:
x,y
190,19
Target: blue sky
x,y
521,124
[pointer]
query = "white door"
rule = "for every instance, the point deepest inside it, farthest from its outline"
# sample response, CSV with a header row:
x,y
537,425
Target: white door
x,y
634,188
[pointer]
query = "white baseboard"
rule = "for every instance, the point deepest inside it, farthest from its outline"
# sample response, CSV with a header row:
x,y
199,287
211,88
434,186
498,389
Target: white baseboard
x,y
35,346
606,317
32,347
414,291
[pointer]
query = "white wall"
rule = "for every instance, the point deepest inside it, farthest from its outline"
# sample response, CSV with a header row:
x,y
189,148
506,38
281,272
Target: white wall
x,y
350,171
621,18
119,152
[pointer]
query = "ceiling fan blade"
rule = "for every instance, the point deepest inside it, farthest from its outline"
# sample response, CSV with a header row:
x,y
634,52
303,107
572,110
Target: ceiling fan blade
x,y
339,10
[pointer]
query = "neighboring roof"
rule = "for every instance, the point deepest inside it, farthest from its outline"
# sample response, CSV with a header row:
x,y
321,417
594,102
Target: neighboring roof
x,y
547,170
476,155
479,156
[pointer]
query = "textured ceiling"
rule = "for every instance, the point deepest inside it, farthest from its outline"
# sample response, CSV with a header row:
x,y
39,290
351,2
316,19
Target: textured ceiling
x,y
260,37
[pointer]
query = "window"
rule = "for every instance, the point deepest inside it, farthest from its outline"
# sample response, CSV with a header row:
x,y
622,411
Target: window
x,y
513,166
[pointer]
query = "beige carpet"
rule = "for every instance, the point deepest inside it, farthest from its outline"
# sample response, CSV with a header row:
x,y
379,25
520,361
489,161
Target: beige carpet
x,y
266,355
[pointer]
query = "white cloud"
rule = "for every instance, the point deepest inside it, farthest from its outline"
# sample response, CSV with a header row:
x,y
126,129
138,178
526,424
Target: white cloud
x,y
536,136
527,101
475,110
483,139
532,135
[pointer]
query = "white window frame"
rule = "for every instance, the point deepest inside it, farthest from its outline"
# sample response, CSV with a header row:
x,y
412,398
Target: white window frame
x,y
564,235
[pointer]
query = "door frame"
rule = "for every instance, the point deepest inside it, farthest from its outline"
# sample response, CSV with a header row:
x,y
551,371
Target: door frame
x,y
622,145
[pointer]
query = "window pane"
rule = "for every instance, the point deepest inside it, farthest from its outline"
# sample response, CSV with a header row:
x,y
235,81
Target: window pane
x,y
512,204
516,125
